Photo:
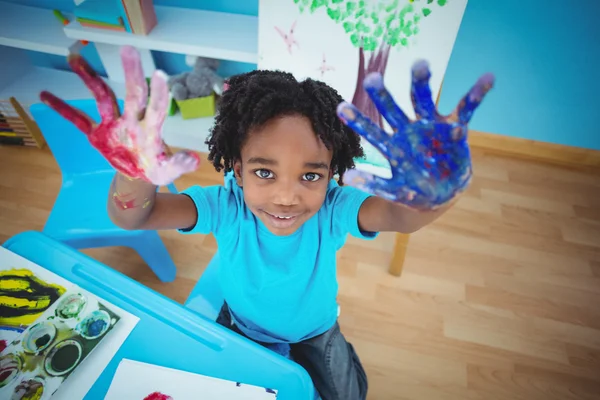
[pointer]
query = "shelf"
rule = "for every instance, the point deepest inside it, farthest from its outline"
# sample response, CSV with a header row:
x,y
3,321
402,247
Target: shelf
x,y
187,133
208,34
32,28
63,84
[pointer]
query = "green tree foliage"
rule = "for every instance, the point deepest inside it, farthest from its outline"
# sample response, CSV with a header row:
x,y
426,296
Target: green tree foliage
x,y
371,24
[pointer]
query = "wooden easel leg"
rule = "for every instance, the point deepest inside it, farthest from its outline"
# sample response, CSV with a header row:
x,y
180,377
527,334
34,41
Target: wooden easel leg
x,y
400,247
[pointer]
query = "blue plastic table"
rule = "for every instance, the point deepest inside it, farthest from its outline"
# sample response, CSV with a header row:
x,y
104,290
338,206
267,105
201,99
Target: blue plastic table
x,y
167,333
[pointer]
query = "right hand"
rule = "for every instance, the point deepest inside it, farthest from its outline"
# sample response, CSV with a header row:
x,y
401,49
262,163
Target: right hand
x,y
132,143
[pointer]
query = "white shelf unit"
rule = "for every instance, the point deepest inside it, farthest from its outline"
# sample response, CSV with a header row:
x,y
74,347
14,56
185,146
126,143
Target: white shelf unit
x,y
187,133
66,85
218,35
32,28
222,36
210,34
25,28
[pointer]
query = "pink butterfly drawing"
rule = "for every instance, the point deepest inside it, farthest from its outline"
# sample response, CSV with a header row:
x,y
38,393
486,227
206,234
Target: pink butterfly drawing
x,y
288,38
324,67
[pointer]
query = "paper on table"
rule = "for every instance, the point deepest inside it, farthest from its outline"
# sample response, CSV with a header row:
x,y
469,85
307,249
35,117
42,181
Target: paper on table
x,y
37,286
135,380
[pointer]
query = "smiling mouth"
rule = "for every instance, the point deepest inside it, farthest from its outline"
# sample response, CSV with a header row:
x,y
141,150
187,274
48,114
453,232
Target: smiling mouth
x,y
284,217
282,221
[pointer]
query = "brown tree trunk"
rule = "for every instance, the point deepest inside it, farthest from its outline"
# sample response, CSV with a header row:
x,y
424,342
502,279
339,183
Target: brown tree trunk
x,y
377,63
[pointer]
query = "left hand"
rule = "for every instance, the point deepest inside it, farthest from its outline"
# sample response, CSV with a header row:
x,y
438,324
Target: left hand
x,y
429,158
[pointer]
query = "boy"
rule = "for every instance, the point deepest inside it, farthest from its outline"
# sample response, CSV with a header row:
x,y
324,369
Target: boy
x,y
280,217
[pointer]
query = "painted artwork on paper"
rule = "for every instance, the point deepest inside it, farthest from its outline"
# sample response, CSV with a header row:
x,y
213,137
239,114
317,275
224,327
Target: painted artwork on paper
x,y
341,41
48,328
26,292
162,383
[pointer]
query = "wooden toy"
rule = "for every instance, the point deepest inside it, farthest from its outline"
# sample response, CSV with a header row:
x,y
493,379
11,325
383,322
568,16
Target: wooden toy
x,y
17,127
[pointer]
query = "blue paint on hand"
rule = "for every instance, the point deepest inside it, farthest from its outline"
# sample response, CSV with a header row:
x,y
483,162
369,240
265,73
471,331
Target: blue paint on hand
x,y
429,158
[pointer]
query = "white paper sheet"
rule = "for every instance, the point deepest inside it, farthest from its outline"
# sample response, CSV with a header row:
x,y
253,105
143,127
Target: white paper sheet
x,y
135,380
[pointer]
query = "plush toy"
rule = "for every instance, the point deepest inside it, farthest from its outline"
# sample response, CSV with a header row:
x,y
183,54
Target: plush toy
x,y
201,81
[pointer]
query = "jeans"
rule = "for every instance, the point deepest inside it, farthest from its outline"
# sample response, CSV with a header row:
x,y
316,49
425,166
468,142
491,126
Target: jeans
x,y
329,359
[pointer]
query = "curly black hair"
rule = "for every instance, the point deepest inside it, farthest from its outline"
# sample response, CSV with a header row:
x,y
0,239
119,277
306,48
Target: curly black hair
x,y
254,98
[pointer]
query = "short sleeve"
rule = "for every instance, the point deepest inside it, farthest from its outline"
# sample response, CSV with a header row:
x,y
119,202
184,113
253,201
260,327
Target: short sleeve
x,y
217,208
344,203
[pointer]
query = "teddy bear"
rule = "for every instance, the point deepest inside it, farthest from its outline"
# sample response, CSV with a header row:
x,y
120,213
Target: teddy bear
x,y
201,81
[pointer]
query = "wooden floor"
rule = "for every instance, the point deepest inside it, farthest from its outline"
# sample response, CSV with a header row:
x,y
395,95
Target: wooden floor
x,y
499,299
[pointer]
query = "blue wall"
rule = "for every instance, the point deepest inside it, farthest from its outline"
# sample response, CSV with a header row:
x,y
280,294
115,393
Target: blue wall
x,y
546,58
544,54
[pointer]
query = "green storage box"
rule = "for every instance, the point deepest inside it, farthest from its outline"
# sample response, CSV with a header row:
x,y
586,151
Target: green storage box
x,y
197,108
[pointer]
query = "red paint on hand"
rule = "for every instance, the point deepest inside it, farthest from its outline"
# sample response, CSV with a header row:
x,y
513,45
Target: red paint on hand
x,y
132,145
157,396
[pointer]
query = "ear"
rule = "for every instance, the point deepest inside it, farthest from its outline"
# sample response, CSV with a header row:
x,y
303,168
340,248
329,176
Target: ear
x,y
237,171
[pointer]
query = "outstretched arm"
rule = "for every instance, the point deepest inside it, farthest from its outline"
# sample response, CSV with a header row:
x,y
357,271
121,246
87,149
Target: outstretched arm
x,y
132,143
429,157
380,215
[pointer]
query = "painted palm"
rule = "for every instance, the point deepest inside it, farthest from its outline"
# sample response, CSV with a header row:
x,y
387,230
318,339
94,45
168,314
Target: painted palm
x,y
374,28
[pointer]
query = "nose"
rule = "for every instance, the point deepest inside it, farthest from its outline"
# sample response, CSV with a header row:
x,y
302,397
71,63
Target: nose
x,y
286,193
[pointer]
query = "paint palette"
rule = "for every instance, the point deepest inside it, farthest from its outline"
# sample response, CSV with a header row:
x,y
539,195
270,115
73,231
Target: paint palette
x,y
35,363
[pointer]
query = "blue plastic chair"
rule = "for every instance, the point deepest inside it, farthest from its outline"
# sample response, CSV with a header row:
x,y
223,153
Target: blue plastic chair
x,y
79,217
206,297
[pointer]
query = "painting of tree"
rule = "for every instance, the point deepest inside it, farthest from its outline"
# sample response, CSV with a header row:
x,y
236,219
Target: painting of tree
x,y
374,28
339,42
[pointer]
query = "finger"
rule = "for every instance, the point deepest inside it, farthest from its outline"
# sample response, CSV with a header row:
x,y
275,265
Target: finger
x,y
394,189
365,127
81,120
384,101
421,96
150,140
105,97
468,104
135,83
370,183
159,100
180,163
459,164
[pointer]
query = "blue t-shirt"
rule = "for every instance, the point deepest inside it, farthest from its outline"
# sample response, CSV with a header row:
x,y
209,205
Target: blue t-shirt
x,y
278,288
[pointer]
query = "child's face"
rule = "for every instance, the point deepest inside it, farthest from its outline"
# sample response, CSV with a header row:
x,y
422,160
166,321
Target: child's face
x,y
284,171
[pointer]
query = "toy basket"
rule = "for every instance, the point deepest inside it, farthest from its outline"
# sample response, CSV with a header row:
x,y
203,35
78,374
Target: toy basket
x,y
197,108
17,127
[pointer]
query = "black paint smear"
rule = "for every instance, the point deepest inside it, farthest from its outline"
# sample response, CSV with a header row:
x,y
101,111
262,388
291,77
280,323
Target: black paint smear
x,y
34,291
65,357
42,341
